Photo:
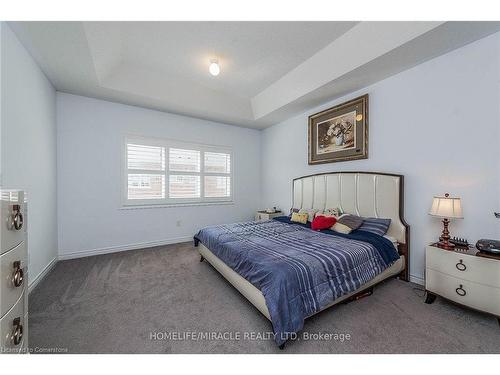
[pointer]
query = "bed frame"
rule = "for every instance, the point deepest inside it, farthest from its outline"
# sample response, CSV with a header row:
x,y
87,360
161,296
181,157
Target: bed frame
x,y
368,194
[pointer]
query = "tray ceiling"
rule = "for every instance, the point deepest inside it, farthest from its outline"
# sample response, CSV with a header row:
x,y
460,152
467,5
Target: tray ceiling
x,y
269,70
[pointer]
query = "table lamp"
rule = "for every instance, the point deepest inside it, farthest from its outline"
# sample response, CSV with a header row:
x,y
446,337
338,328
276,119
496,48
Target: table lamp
x,y
447,208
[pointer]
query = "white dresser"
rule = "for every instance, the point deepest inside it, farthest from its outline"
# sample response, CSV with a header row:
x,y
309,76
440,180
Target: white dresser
x,y
13,272
463,277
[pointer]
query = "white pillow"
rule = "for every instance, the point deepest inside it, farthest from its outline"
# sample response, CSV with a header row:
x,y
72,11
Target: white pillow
x,y
310,213
329,212
336,212
341,228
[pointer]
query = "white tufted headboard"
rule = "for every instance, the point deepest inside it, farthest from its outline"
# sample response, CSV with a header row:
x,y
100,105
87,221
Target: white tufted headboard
x,y
367,194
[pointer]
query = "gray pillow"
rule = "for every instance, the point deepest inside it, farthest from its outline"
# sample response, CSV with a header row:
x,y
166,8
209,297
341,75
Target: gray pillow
x,y
375,225
352,221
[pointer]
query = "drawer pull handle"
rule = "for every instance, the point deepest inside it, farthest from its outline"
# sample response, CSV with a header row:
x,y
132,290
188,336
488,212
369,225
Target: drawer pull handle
x,y
461,266
461,291
18,276
17,334
18,217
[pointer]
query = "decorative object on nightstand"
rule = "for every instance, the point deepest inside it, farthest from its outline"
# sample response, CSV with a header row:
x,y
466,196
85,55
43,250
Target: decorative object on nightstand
x,y
460,243
446,208
267,214
463,276
488,247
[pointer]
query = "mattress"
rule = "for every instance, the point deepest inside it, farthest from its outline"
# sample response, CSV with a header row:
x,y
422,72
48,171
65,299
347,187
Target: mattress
x,y
255,296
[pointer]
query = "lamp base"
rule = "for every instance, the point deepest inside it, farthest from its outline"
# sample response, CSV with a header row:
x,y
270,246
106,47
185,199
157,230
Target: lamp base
x,y
446,245
444,240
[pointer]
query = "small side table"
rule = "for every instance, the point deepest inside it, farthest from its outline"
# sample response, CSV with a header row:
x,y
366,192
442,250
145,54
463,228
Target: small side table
x,y
263,215
466,277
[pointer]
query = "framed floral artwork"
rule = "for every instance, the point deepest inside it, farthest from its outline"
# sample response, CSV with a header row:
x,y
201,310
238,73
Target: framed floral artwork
x,y
339,133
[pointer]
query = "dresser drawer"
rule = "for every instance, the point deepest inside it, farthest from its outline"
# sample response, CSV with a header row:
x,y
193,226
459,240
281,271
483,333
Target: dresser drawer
x,y
478,296
12,329
13,276
463,266
13,226
25,344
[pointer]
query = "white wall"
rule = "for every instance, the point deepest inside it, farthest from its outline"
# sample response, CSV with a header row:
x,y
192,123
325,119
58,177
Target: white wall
x,y
1,89
28,149
437,123
90,217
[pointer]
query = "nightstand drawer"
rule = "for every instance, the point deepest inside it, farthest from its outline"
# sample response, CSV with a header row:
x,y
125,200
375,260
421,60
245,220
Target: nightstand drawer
x,y
261,215
478,296
463,266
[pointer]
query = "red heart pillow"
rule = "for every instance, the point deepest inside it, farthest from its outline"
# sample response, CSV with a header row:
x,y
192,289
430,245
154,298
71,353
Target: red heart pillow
x,y
323,222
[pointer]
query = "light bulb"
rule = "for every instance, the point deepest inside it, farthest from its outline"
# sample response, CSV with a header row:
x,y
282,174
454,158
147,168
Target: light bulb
x,y
214,68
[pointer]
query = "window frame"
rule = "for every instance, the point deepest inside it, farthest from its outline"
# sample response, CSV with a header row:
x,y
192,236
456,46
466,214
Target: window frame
x,y
167,201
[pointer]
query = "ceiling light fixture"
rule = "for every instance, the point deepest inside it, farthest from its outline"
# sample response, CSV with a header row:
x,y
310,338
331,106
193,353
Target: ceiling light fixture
x,y
214,68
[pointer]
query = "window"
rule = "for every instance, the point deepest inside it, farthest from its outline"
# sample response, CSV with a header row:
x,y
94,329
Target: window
x,y
169,172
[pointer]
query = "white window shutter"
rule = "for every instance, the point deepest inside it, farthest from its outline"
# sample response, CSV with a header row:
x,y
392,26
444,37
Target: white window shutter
x,y
172,172
145,157
181,160
217,162
146,186
146,172
183,186
217,186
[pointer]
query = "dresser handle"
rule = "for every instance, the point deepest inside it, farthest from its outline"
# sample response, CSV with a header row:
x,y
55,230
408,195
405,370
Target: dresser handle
x,y
18,276
461,291
18,217
461,266
17,335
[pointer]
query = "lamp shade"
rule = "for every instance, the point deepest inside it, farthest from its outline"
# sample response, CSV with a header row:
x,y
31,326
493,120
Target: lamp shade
x,y
447,207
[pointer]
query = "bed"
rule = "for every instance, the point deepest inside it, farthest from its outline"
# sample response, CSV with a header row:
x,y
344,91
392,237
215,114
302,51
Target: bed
x,y
289,272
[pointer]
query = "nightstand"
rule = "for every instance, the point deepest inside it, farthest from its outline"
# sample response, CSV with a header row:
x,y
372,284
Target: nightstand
x,y
463,277
263,215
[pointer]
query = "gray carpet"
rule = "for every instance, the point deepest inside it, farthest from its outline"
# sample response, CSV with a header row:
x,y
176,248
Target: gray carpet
x,y
114,304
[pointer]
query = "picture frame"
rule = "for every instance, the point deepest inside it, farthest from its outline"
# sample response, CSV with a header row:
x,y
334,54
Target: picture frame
x,y
339,133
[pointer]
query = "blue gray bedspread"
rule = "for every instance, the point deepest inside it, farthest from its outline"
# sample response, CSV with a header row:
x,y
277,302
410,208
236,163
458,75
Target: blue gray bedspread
x,y
299,271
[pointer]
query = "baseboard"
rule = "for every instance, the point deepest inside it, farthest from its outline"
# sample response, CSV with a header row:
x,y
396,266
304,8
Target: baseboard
x,y
34,282
116,249
417,280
